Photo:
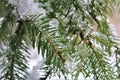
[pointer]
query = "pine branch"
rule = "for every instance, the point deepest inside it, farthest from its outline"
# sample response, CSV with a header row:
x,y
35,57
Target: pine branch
x,y
15,57
12,67
47,74
89,58
7,26
47,32
103,68
54,47
19,33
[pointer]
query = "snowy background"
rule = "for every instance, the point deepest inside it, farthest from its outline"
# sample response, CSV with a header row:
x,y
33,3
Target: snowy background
x,y
29,7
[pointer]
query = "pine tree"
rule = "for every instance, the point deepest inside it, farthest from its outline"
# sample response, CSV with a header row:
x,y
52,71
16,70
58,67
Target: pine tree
x,y
73,37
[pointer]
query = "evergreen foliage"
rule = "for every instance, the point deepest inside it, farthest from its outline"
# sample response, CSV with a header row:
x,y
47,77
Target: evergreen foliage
x,y
82,38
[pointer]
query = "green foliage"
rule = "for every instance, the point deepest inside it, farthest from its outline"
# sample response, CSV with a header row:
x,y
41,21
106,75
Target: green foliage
x,y
74,40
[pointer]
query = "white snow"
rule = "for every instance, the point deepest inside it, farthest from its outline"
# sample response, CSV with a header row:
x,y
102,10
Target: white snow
x,y
27,7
